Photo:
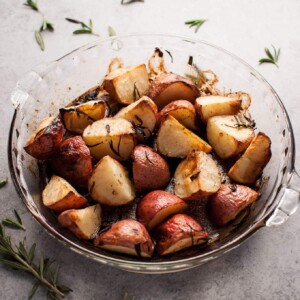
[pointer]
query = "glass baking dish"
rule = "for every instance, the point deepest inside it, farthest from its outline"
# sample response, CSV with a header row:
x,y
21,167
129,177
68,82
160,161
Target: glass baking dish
x,y
53,85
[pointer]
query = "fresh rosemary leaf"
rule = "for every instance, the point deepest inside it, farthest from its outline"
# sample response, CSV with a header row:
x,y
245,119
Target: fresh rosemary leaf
x,y
12,223
13,264
195,23
73,21
41,268
111,31
64,288
32,4
33,290
18,217
39,39
46,25
271,58
3,182
85,29
82,31
31,253
124,2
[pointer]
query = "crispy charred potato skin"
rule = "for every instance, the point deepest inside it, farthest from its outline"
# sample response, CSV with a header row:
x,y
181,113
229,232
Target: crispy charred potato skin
x,y
142,114
128,237
109,183
196,177
157,206
45,139
183,111
175,140
229,201
84,223
178,233
250,165
210,106
77,118
110,136
73,161
169,87
150,170
226,139
127,85
59,195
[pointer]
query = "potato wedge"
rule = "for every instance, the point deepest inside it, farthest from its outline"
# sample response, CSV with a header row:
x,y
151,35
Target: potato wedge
x,y
150,170
169,87
196,177
226,136
157,206
229,201
45,139
178,233
109,184
127,85
77,118
110,136
183,111
250,165
128,237
210,106
142,114
73,161
84,223
174,140
59,195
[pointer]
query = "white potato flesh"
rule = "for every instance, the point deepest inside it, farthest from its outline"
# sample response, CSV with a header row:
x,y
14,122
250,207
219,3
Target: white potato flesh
x,y
183,244
125,85
110,184
110,136
143,114
210,106
226,139
197,176
250,165
175,140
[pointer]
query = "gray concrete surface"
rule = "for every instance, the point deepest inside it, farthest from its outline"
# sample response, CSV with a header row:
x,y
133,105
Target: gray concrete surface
x,y
265,267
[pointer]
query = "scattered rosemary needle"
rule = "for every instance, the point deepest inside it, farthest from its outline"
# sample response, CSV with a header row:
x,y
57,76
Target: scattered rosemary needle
x,y
46,26
124,2
195,23
14,223
32,4
111,31
271,58
3,182
84,27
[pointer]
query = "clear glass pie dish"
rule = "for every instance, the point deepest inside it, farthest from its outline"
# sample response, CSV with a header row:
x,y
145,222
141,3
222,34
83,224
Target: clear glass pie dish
x,y
53,85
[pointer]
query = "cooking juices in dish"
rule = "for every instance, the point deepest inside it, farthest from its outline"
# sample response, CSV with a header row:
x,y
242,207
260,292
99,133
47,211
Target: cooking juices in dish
x,y
155,141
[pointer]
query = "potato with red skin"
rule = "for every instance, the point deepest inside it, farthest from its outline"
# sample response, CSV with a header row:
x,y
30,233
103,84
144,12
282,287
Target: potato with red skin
x,y
179,232
45,139
128,237
150,170
229,201
157,206
169,87
183,111
73,161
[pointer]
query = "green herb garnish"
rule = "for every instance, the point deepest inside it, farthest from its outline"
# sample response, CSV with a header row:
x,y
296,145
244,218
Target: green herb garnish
x,y
84,27
195,23
111,31
15,223
3,182
124,2
32,4
46,26
271,58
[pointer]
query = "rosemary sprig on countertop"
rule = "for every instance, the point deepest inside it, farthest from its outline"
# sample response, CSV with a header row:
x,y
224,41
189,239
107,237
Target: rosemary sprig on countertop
x,y
3,182
271,58
32,4
21,258
15,223
111,31
124,2
195,23
84,27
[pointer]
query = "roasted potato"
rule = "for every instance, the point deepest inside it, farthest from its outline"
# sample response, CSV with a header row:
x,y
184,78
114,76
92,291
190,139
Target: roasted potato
x,y
73,161
150,170
59,195
77,118
127,85
196,177
228,136
142,114
157,206
183,111
178,233
109,183
210,106
128,237
169,87
174,140
110,136
229,201
250,165
84,223
45,139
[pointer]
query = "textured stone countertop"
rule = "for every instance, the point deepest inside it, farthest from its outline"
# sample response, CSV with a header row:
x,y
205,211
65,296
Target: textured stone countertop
x,y
267,266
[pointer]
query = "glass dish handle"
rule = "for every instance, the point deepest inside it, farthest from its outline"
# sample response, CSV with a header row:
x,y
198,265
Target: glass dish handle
x,y
289,202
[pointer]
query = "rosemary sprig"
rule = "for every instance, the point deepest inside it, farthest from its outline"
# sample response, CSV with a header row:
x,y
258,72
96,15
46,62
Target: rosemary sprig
x,y
271,58
46,26
15,223
32,4
22,258
195,23
111,31
3,182
124,2
85,29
